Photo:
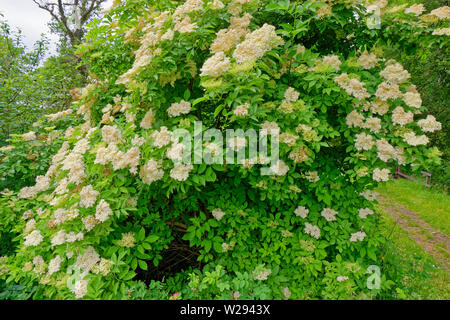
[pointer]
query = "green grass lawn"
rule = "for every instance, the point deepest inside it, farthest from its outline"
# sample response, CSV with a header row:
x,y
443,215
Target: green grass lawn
x,y
421,276
431,205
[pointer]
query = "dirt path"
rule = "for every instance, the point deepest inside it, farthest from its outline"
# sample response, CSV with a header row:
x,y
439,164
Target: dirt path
x,y
432,240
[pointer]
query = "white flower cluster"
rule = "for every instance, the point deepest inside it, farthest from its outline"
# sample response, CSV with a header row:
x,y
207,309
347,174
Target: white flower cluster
x,y
127,241
352,86
355,119
441,32
151,172
216,66
288,138
58,115
379,107
415,9
218,214
332,61
80,288
33,239
364,212
291,95
368,60
87,259
412,99
175,152
385,150
217,5
119,159
88,196
387,90
441,13
74,164
268,128
29,136
280,168
373,124
364,141
429,124
148,120
241,110
89,223
103,267
357,236
55,265
413,140
39,264
111,134
187,7
176,109
257,43
72,237
312,176
30,225
312,230
180,172
381,174
301,212
324,11
42,184
161,138
59,238
395,73
400,117
262,275
299,155
237,143
369,195
185,25
103,211
226,39
329,214
148,49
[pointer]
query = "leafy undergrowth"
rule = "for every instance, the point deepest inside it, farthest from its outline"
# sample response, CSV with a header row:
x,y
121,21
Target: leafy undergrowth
x,y
431,205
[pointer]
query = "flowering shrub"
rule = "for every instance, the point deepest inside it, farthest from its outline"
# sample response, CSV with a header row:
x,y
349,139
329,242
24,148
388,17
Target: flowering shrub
x,y
117,196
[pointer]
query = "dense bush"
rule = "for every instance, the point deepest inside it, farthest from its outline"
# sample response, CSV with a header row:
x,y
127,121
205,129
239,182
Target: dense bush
x,y
118,204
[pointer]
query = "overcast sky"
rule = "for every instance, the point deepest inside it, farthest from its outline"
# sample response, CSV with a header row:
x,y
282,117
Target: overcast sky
x,y
26,15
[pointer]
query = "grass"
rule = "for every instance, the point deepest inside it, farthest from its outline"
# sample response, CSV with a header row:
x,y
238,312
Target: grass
x,y
421,276
430,205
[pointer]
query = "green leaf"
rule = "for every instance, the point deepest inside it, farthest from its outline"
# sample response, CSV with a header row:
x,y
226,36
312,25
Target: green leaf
x,y
143,265
207,245
152,238
187,94
141,234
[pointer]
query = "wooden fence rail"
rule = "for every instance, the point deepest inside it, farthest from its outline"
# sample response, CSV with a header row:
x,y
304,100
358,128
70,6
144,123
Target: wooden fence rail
x,y
399,174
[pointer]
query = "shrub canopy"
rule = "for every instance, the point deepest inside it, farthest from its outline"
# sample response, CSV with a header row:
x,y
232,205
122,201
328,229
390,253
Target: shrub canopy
x,y
117,200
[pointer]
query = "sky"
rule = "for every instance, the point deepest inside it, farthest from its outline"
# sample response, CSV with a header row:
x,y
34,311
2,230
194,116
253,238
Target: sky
x,y
27,16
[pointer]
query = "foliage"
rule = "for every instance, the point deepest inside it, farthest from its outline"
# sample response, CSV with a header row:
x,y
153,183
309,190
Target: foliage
x,y
428,68
59,74
19,89
116,198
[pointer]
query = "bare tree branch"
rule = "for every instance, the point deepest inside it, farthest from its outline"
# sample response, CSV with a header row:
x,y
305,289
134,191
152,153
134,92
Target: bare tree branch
x,y
62,10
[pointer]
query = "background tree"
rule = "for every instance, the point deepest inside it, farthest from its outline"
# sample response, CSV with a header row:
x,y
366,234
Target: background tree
x,y
71,15
20,89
